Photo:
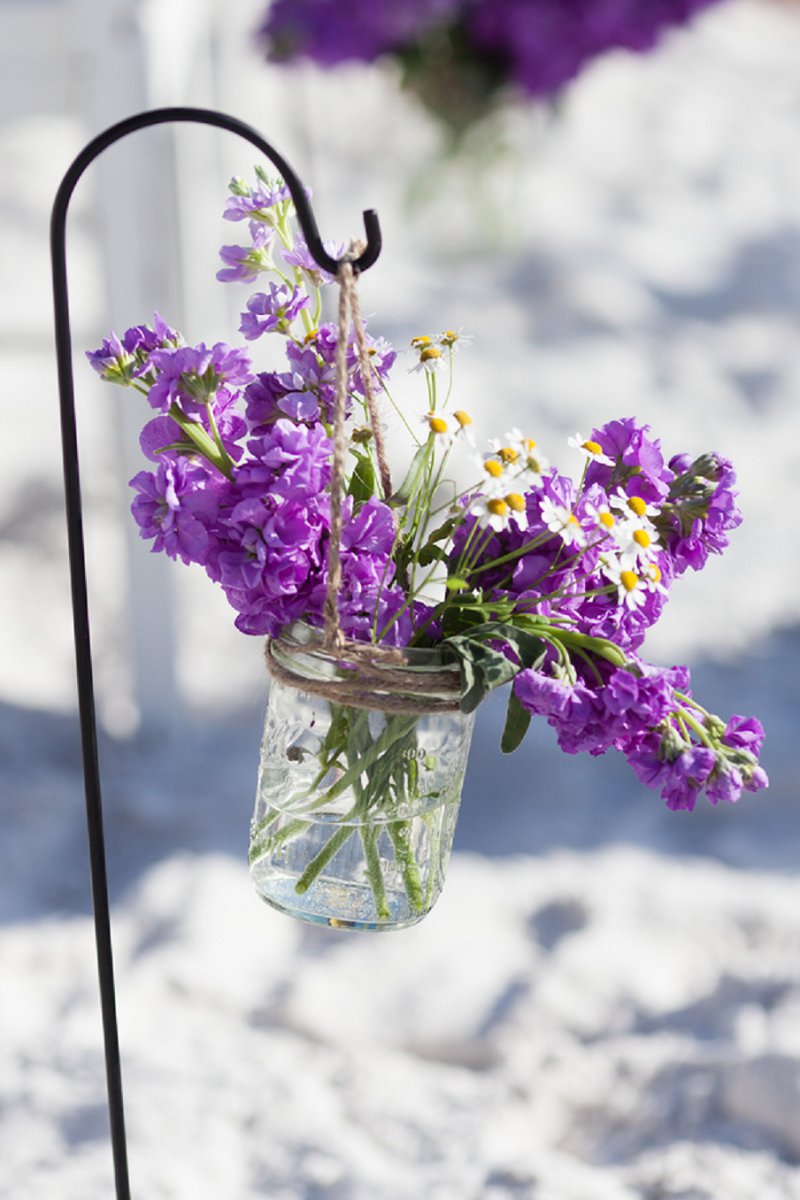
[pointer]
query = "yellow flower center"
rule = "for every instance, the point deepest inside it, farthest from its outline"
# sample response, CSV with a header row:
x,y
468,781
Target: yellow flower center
x,y
636,504
437,425
515,501
534,465
642,538
593,447
572,519
493,468
419,342
529,444
508,455
654,572
310,336
605,518
498,508
463,418
449,337
429,352
629,580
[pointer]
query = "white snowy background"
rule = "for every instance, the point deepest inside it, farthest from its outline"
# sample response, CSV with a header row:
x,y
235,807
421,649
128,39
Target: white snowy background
x,y
605,1004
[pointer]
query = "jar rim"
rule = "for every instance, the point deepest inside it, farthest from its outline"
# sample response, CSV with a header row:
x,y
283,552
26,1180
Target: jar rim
x,y
310,639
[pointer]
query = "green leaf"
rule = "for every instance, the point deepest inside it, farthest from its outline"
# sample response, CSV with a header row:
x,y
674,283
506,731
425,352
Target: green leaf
x,y
363,482
415,476
482,669
429,554
517,721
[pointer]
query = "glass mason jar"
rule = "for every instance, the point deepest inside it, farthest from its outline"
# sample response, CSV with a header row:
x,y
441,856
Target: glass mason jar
x,y
359,783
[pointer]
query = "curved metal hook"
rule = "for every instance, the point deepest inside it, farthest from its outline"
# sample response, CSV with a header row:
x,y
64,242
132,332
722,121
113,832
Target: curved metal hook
x,y
77,558
209,116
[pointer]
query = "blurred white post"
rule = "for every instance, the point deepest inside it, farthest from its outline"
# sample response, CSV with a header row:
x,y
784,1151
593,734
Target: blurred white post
x,y
140,54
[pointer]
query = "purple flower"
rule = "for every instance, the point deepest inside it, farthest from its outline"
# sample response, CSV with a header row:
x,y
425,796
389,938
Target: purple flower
x,y
746,733
638,462
254,204
272,311
542,44
288,460
244,263
175,507
333,31
191,375
122,360
700,510
300,256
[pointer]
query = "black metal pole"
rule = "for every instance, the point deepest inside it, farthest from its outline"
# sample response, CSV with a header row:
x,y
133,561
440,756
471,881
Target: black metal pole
x,y
75,542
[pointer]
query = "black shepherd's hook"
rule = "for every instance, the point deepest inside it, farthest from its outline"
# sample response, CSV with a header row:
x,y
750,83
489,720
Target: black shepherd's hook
x,y
77,560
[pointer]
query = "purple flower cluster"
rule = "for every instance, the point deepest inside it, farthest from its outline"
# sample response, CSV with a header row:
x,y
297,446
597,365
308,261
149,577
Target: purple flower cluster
x,y
256,518
602,570
563,580
535,45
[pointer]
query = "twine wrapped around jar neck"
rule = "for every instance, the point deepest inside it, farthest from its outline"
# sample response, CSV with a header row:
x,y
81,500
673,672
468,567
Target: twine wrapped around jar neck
x,y
380,677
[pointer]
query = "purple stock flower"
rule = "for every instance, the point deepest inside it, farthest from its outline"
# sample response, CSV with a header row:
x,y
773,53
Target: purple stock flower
x,y
333,31
701,510
125,359
544,43
288,460
245,263
175,506
272,311
255,204
300,256
191,375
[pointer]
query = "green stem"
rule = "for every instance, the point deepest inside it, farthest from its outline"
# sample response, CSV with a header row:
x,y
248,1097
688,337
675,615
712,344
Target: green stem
x,y
320,861
400,833
372,861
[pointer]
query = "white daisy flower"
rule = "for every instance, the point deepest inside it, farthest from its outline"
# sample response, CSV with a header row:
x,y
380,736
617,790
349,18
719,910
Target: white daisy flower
x,y
430,359
634,507
498,511
562,520
523,455
637,543
444,436
464,421
631,589
589,449
451,338
603,518
651,578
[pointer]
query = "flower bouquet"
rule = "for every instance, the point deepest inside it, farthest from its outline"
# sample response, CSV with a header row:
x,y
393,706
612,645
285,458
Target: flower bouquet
x,y
391,611
461,57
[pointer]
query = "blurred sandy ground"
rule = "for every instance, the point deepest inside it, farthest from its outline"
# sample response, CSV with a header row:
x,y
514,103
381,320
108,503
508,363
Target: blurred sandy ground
x,y
635,251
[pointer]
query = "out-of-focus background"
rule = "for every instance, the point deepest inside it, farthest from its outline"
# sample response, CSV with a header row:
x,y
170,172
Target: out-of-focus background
x,y
606,1000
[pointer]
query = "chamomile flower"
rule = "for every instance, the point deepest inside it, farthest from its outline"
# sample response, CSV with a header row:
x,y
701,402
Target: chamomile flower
x,y
464,422
603,518
651,577
637,544
439,427
593,451
452,338
493,471
529,463
631,589
430,359
497,512
634,507
560,519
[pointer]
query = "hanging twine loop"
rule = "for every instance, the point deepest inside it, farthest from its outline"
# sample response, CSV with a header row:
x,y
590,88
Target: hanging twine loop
x,y
349,309
367,675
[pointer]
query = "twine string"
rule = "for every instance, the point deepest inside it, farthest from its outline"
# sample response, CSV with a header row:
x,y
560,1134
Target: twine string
x,y
349,309
370,676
